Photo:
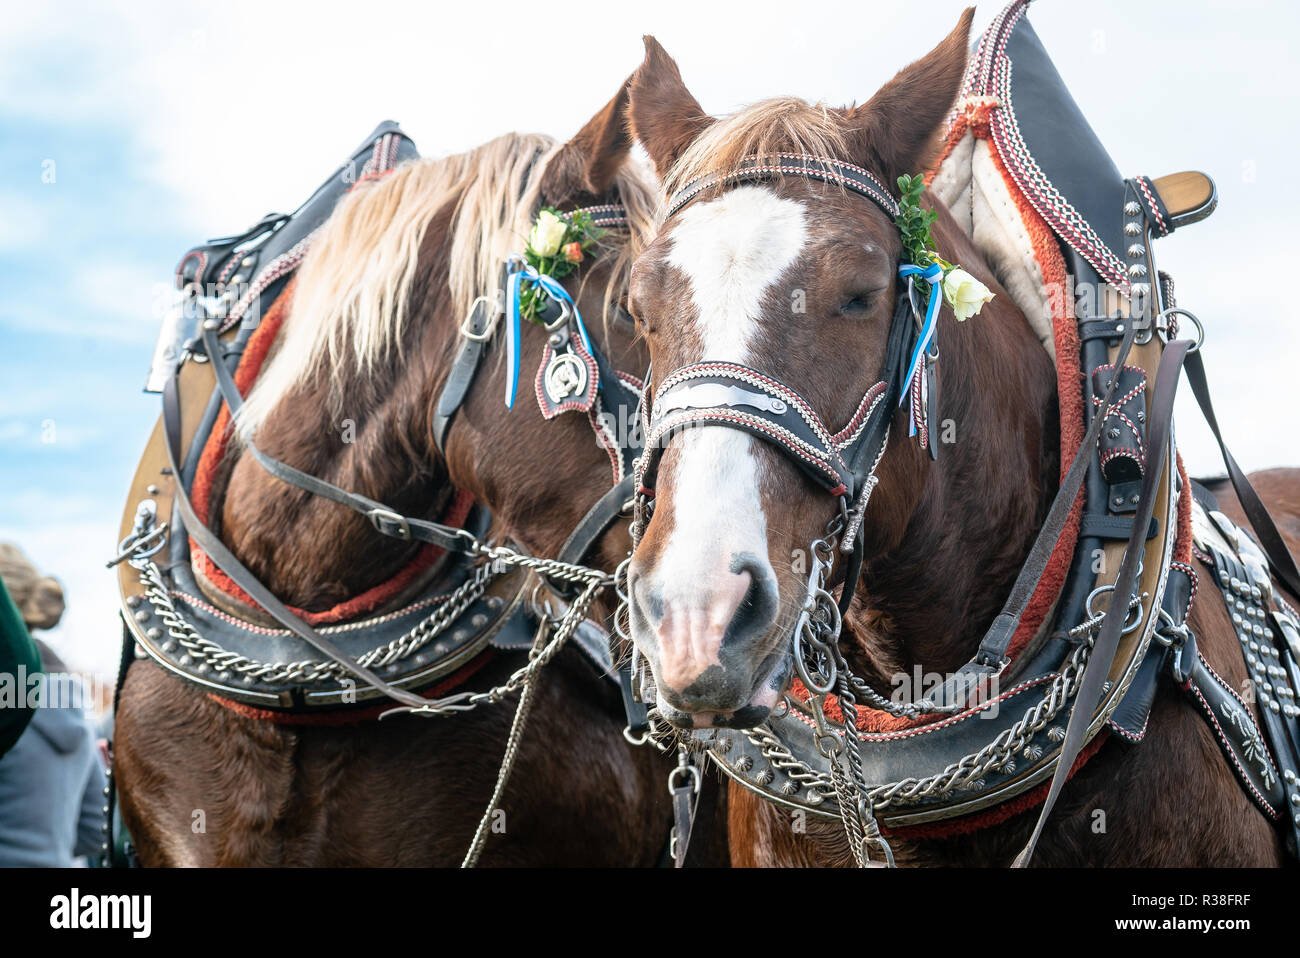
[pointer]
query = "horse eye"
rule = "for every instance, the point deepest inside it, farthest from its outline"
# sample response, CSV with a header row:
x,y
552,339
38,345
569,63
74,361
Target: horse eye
x,y
858,304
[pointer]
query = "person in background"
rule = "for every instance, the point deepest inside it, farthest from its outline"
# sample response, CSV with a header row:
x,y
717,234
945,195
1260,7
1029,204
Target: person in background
x,y
51,781
19,660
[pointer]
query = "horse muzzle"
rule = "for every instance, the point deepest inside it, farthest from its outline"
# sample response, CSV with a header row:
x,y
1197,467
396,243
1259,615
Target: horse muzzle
x,y
711,644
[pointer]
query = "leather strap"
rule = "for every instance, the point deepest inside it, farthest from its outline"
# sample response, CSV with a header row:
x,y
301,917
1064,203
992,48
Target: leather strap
x,y
239,574
385,520
1113,527
603,513
992,653
463,370
1270,539
1112,625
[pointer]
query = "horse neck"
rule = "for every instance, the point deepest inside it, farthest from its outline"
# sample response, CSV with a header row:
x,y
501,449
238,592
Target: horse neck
x,y
930,596
314,553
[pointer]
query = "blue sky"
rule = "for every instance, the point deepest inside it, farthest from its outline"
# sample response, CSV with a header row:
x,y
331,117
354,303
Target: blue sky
x,y
167,124
84,256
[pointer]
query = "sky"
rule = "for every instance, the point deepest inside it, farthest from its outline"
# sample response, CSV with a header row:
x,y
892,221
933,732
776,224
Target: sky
x,y
130,132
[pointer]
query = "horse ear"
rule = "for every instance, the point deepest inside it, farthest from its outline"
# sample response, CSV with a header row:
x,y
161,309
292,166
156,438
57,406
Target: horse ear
x,y
897,130
590,161
664,116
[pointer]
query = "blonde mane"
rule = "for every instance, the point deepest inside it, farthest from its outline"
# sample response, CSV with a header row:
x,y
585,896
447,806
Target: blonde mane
x,y
777,125
352,298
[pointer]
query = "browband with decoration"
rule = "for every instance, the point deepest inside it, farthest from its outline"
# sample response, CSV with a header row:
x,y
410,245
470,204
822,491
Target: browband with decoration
x,y
823,169
916,382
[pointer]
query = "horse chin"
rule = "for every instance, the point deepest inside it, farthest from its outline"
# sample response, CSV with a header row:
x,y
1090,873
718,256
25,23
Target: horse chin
x,y
774,678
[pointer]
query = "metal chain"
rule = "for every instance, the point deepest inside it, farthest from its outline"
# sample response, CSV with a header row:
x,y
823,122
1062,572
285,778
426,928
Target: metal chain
x,y
520,720
499,559
965,772
567,624
220,660
821,667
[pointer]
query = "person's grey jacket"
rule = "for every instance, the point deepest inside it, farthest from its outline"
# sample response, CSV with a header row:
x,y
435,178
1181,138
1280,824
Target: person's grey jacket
x,y
52,781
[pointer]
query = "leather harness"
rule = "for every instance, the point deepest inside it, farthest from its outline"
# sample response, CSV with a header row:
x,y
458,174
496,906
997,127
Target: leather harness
x,y
166,614
1130,490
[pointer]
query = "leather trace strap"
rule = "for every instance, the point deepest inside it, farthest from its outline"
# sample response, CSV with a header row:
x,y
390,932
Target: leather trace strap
x,y
1160,422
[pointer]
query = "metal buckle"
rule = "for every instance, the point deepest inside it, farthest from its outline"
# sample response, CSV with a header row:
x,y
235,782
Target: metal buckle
x,y
566,312
489,328
692,773
379,515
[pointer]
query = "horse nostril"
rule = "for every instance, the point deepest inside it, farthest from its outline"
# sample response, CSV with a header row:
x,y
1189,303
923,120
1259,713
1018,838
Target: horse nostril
x,y
757,610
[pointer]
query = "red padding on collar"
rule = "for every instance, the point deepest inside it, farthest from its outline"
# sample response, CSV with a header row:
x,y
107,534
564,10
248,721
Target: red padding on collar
x,y
255,353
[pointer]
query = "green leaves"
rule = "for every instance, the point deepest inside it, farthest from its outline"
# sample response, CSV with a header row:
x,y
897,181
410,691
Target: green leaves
x,y
914,221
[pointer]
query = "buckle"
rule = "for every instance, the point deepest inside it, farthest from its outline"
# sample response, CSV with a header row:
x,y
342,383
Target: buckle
x,y
398,527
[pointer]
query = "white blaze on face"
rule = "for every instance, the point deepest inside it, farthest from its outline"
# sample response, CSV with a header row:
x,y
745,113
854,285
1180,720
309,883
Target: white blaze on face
x,y
732,250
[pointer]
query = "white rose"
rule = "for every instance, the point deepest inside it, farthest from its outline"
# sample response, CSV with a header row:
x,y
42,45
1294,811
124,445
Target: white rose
x,y
964,293
547,234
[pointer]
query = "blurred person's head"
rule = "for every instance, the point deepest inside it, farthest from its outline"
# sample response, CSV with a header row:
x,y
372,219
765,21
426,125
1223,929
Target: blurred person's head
x,y
39,597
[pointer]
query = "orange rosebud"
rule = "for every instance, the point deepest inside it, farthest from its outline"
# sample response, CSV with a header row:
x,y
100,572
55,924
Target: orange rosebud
x,y
573,252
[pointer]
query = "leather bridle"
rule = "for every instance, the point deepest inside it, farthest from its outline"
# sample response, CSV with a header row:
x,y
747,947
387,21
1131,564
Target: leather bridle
x,y
615,394
710,393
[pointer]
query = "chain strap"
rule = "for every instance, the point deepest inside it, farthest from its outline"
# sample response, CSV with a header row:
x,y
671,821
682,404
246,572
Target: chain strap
x,y
308,671
965,772
576,613
821,667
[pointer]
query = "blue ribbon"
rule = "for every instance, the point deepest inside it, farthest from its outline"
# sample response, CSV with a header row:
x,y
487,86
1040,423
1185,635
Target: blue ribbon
x,y
932,274
520,274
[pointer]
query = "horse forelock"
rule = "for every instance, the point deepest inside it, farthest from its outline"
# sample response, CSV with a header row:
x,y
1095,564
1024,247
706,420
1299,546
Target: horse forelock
x,y
765,128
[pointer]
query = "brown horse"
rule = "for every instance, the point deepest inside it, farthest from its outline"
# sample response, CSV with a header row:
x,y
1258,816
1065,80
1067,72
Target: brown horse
x,y
713,592
374,321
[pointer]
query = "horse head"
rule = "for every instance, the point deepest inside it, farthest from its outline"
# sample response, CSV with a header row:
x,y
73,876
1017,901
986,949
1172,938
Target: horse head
x,y
352,389
769,300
